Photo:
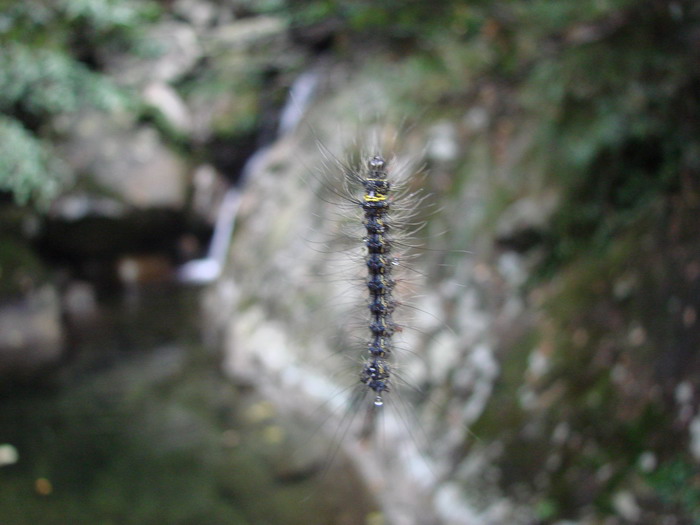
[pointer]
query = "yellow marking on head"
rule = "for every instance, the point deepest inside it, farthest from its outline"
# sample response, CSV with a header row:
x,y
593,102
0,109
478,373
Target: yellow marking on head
x,y
372,197
378,198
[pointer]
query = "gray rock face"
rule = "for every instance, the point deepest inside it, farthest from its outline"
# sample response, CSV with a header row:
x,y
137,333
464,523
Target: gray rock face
x,y
175,50
130,161
252,33
200,13
127,161
293,305
30,332
164,98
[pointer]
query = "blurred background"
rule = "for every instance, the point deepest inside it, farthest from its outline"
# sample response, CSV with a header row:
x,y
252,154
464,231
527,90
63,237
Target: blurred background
x,y
172,331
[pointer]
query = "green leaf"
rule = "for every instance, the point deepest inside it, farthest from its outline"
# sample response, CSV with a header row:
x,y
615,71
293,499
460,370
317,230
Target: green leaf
x,y
27,168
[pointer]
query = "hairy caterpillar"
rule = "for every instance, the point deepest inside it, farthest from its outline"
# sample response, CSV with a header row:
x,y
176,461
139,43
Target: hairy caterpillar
x,y
376,371
377,253
322,278
377,189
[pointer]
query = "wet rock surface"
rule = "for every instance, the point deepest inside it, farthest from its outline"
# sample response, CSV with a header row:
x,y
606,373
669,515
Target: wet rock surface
x,y
31,333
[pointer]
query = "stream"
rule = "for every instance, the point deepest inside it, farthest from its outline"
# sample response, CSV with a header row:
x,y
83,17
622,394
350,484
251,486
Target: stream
x,y
142,427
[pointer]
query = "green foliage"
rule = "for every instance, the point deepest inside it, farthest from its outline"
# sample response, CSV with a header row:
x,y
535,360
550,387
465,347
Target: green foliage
x,y
384,20
613,92
45,82
619,111
27,166
609,91
676,483
20,268
43,22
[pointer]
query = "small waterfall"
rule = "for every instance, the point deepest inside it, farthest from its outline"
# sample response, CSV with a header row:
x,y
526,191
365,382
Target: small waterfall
x,y
208,269
300,95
